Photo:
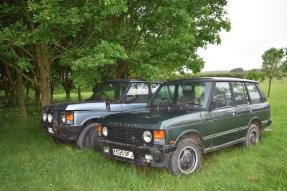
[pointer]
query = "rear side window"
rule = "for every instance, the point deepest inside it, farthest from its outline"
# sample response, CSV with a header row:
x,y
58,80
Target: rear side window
x,y
239,93
222,95
253,93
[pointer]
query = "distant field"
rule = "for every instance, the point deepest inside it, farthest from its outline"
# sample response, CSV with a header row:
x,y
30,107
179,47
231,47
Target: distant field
x,y
29,160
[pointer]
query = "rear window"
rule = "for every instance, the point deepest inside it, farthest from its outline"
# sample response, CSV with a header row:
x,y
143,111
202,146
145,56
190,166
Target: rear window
x,y
253,93
239,93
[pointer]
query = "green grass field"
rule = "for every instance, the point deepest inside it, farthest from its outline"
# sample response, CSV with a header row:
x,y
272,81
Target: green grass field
x,y
29,160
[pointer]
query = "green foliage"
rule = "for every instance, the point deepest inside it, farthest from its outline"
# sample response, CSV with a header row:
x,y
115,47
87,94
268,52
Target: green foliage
x,y
272,62
255,75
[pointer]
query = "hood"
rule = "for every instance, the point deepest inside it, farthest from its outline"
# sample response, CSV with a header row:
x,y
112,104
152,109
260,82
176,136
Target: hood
x,y
140,119
76,106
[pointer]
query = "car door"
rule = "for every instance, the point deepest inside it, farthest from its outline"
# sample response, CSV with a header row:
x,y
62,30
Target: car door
x,y
136,97
223,114
243,109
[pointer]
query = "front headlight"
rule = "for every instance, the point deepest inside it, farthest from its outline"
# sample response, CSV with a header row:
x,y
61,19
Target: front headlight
x,y
105,131
45,116
50,117
147,136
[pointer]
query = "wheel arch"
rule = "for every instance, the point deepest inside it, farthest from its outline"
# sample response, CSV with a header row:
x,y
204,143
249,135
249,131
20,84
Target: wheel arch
x,y
190,134
256,120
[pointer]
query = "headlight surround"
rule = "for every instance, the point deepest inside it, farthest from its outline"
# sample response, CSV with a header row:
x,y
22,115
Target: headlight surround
x,y
105,131
147,136
50,117
45,116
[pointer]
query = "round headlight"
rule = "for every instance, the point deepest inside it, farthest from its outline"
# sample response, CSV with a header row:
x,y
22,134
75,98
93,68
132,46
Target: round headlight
x,y
45,116
147,136
50,117
64,118
105,131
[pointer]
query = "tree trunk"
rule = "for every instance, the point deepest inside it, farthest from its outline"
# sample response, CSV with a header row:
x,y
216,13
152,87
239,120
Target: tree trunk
x,y
27,90
68,94
21,96
122,70
37,95
11,87
269,86
52,93
44,65
79,94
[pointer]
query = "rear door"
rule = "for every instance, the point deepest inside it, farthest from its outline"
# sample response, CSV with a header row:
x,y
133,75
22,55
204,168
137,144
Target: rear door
x,y
243,108
223,114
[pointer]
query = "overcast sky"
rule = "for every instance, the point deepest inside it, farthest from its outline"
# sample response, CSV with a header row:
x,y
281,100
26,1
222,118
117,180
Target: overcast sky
x,y
256,25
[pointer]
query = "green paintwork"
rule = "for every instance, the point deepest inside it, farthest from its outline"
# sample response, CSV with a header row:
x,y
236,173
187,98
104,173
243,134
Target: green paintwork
x,y
215,127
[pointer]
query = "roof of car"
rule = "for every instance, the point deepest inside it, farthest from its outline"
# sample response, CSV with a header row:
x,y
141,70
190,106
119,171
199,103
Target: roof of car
x,y
213,79
133,80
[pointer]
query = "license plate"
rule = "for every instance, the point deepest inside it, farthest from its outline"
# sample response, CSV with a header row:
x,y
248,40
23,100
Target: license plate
x,y
122,153
50,130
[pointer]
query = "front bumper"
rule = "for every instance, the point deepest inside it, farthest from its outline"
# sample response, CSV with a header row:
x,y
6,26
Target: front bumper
x,y
161,154
267,122
63,132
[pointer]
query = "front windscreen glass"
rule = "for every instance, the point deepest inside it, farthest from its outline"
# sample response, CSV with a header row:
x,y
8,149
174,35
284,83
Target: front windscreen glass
x,y
110,91
187,95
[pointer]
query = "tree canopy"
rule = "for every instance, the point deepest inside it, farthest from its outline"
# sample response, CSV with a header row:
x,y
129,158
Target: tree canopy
x,y
80,42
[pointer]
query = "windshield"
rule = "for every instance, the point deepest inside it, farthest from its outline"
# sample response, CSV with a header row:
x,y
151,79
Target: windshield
x,y
109,91
188,95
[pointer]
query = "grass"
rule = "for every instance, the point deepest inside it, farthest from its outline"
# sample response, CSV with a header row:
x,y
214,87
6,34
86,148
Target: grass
x,y
29,160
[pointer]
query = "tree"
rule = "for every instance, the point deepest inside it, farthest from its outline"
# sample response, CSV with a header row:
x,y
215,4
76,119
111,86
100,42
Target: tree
x,y
241,70
272,61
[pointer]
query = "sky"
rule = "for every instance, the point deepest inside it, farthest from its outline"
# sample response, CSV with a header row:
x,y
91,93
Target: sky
x,y
256,26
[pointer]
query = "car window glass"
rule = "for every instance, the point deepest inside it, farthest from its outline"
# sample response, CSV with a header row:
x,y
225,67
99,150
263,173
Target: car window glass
x,y
239,93
154,88
109,91
163,97
221,95
253,93
193,93
138,93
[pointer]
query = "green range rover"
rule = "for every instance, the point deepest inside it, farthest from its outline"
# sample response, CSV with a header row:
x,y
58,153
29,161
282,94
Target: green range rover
x,y
185,119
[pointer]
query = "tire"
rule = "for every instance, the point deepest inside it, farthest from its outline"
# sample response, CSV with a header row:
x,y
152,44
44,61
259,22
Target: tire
x,y
187,158
252,136
83,140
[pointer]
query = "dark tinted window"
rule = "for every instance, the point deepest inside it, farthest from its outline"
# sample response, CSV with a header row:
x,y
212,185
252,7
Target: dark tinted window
x,y
221,95
239,93
194,93
163,96
253,93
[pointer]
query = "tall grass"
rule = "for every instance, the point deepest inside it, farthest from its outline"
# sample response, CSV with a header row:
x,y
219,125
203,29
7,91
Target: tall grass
x,y
29,160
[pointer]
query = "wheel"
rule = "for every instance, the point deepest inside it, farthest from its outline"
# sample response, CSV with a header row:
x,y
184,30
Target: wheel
x,y
187,158
94,137
252,136
83,140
